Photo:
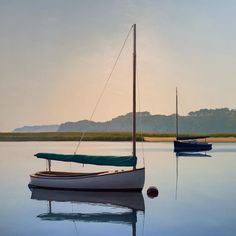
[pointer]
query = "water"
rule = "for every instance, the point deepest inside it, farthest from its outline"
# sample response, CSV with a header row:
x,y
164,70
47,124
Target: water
x,y
196,194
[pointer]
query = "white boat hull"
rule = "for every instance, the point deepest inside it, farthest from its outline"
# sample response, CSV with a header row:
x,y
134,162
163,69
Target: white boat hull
x,y
132,180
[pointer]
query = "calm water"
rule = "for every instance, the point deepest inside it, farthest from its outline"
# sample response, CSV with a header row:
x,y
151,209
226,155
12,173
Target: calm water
x,y
196,194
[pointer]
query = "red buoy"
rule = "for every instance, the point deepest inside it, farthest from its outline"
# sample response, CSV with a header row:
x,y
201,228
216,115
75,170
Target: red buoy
x,y
152,192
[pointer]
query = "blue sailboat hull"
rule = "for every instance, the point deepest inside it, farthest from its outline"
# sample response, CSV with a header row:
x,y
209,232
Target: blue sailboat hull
x,y
191,146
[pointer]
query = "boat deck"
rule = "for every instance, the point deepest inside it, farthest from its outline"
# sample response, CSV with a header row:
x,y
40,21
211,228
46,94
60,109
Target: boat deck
x,y
66,174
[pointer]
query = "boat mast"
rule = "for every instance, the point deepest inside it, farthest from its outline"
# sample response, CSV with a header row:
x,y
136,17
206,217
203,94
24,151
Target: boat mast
x,y
177,115
134,93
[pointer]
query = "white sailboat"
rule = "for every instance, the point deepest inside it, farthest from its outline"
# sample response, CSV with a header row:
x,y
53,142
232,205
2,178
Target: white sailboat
x,y
118,180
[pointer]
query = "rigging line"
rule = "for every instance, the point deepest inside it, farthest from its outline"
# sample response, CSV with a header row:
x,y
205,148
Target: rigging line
x,y
76,228
141,118
74,222
104,88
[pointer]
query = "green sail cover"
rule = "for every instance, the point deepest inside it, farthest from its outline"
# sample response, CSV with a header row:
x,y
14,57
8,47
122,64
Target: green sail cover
x,y
94,160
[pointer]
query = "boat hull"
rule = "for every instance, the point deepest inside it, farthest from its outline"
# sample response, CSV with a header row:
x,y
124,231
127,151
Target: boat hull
x,y
132,180
191,146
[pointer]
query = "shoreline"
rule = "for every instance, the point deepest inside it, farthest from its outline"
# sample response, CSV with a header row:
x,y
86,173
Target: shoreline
x,y
145,139
108,136
210,140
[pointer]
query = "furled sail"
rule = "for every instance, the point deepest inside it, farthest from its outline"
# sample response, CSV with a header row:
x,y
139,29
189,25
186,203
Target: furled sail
x,y
90,159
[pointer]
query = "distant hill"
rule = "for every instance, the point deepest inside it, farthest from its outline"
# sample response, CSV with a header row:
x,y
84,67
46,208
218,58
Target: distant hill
x,y
203,121
145,122
37,128
120,123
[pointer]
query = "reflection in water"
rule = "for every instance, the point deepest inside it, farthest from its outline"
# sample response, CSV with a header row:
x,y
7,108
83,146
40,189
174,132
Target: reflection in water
x,y
177,176
191,154
184,154
122,217
132,202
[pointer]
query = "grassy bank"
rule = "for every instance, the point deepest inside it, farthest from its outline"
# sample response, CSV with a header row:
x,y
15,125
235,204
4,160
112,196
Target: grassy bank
x,y
68,136
90,136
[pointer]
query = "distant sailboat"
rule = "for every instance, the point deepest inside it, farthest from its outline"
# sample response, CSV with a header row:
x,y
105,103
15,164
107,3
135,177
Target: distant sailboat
x,y
119,180
188,143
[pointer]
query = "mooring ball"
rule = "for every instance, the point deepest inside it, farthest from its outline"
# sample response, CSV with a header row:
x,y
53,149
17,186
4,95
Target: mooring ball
x,y
152,192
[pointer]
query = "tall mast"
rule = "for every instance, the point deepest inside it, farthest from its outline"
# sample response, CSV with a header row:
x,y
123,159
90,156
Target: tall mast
x,y
177,115
134,93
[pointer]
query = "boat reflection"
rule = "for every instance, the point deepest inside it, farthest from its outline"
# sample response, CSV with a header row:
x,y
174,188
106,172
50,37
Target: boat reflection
x,y
131,200
191,154
129,203
184,155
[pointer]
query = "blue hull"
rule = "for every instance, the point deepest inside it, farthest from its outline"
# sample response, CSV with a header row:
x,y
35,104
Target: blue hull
x,y
189,146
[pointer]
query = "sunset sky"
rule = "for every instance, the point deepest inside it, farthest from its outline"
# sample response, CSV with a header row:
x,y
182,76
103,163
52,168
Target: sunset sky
x,y
55,56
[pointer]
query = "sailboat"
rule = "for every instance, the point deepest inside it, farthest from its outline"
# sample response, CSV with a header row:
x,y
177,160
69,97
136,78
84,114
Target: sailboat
x,y
188,143
118,180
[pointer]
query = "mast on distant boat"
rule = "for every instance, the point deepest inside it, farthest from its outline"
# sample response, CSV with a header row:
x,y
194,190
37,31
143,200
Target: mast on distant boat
x,y
177,115
134,93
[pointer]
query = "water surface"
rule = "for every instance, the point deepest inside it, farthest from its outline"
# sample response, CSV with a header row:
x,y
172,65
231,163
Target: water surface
x,y
196,193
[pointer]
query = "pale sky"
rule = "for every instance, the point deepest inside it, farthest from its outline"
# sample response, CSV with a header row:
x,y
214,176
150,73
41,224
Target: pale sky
x,y
55,56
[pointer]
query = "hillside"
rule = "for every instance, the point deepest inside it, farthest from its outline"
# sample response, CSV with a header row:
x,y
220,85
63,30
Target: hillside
x,y
204,121
37,128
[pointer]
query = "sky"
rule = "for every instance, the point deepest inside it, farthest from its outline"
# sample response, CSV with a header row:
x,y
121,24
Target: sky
x,y
56,55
